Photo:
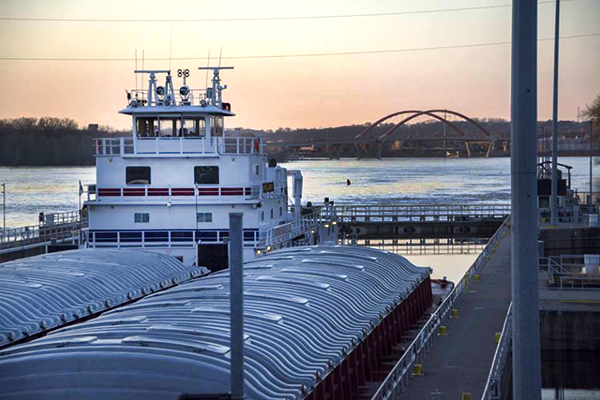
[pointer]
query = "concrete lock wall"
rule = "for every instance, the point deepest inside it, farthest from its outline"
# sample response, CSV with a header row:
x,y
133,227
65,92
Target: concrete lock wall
x,y
572,330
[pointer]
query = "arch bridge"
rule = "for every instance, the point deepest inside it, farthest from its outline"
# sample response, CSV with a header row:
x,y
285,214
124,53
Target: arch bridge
x,y
457,127
434,132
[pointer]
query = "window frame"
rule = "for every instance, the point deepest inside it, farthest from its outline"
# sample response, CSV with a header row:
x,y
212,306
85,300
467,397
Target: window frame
x,y
144,218
204,217
201,133
133,181
196,176
217,126
147,134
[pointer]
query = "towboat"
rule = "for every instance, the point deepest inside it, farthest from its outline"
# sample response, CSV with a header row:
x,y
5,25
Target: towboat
x,y
170,186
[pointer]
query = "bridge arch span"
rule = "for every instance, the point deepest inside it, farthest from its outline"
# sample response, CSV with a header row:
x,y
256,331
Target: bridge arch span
x,y
416,113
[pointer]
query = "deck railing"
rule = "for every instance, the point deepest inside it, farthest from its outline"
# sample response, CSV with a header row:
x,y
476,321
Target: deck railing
x,y
194,98
52,227
163,238
195,193
398,377
178,145
425,212
308,224
493,387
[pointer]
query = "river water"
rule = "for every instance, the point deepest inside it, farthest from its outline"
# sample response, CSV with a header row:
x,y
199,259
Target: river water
x,y
403,180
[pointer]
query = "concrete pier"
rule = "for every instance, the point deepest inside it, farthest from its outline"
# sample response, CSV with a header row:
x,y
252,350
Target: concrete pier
x,y
460,362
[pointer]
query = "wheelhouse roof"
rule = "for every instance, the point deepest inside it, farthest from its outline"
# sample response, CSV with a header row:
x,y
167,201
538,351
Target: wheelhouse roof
x,y
176,110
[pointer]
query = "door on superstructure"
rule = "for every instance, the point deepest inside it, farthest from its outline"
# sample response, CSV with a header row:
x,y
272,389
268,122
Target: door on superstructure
x,y
213,256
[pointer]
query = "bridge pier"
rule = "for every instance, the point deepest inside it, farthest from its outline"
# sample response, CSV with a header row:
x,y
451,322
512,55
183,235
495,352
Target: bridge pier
x,y
368,151
334,151
490,147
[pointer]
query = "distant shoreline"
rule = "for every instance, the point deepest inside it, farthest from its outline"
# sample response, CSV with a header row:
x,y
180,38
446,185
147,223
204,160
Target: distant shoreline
x,y
325,158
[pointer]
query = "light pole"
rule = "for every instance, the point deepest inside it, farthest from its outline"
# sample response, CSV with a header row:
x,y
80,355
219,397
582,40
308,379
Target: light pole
x,y
554,189
3,210
525,287
591,153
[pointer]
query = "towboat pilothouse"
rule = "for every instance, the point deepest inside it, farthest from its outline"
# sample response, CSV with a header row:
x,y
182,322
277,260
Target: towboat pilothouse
x,y
171,186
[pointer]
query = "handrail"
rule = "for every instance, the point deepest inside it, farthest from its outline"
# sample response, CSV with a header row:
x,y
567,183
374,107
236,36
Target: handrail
x,y
397,379
492,390
395,212
568,268
157,192
57,226
282,233
178,145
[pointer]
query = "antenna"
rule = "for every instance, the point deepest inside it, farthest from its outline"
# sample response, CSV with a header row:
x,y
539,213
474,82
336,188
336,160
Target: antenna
x,y
220,54
170,46
207,64
143,51
214,93
136,77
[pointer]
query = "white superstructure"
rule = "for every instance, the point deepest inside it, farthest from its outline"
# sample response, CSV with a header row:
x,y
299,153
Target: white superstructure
x,y
171,186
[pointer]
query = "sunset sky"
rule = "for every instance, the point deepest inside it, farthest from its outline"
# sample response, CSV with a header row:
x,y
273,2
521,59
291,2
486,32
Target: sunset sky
x,y
293,91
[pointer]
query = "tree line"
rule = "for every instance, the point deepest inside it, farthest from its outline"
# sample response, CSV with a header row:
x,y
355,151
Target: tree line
x,y
50,141
47,141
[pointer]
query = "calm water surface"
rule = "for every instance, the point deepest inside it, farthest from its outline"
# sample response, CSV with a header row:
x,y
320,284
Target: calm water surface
x,y
404,180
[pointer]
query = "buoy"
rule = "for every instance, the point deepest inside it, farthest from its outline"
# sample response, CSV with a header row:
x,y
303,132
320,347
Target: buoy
x,y
454,313
497,337
348,182
466,396
443,329
476,277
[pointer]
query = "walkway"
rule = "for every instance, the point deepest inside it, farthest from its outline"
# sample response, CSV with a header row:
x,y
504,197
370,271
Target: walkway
x,y
460,362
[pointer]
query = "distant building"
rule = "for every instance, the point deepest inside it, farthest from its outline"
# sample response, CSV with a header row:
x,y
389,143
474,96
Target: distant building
x,y
93,127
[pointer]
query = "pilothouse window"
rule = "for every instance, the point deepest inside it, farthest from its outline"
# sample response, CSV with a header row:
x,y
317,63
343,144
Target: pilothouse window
x,y
169,127
193,127
137,175
216,126
147,127
206,174
151,127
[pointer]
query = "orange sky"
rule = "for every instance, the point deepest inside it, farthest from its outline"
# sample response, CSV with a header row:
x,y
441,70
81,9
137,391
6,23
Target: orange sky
x,y
291,92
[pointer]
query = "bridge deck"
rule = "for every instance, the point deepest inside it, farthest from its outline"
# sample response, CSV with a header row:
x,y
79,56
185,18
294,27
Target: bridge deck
x,y
460,362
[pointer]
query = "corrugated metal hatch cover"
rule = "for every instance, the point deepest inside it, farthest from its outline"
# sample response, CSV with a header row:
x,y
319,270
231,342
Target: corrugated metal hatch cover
x,y
48,291
304,309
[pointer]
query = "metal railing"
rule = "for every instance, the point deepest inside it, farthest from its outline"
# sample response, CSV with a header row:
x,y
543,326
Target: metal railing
x,y
398,377
422,246
192,193
178,145
425,212
52,219
165,238
194,98
316,223
565,219
493,387
587,198
52,227
568,271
